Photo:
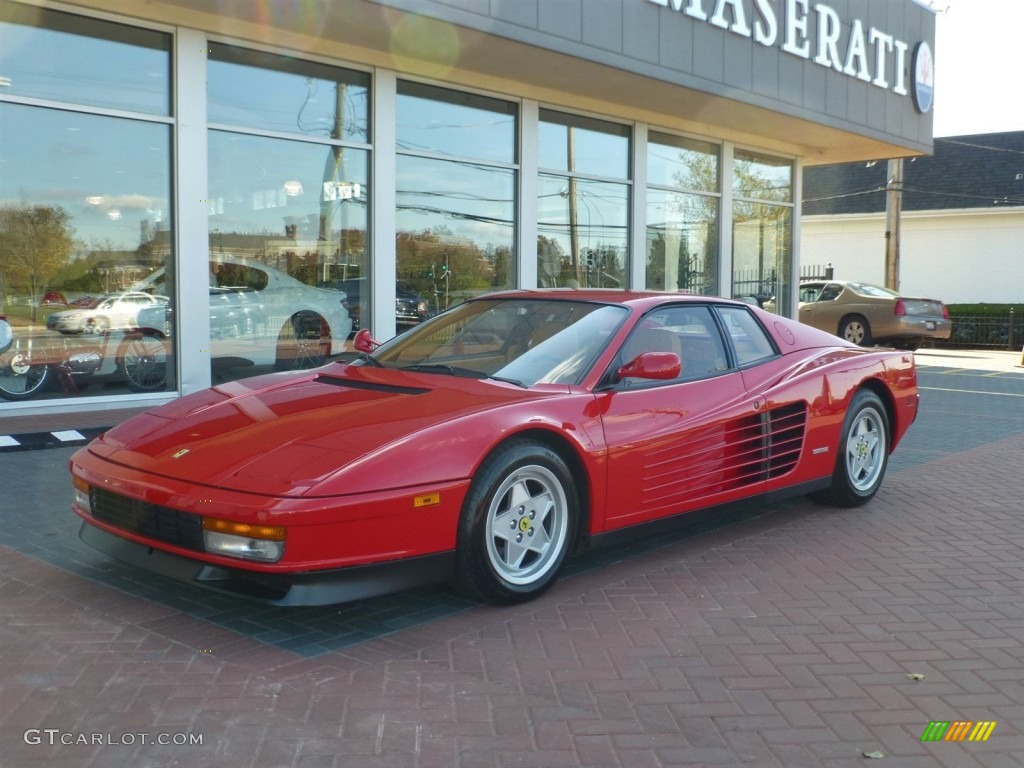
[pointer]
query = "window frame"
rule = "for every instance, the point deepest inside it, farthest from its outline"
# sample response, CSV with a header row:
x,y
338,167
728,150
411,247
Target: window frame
x,y
730,343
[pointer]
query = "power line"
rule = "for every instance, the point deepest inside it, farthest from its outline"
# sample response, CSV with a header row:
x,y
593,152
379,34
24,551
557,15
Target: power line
x,y
982,146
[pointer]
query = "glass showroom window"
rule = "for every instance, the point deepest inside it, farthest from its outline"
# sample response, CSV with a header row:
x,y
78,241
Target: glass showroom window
x,y
456,182
583,205
682,214
288,210
85,206
762,228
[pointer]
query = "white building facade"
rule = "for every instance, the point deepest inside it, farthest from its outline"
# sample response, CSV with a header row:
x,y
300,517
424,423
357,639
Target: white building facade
x,y
962,223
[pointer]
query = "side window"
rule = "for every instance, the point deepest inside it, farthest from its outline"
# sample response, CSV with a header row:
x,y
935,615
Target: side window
x,y
749,340
689,332
809,293
830,292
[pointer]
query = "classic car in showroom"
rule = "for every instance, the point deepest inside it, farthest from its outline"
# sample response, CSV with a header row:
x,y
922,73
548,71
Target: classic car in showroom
x,y
490,443
869,314
262,316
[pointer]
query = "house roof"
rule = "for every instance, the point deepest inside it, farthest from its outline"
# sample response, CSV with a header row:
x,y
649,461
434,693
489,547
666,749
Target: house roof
x,y
978,171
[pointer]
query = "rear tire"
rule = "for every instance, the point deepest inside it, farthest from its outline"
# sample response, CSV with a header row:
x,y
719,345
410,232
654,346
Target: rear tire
x,y
856,329
863,453
518,522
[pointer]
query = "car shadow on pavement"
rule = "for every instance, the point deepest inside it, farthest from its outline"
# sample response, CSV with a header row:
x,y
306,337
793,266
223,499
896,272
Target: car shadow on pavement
x,y
46,530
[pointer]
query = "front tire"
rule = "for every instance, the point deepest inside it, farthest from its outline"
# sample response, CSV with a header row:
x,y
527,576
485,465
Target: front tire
x,y
863,453
518,523
856,329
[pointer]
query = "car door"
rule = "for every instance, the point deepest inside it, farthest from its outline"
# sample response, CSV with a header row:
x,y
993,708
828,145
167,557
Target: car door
x,y
681,444
822,311
783,407
809,293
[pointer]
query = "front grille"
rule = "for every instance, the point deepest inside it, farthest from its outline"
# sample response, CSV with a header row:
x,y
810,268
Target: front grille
x,y
149,520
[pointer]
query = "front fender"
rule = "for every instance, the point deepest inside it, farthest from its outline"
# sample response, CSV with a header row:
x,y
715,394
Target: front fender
x,y
453,450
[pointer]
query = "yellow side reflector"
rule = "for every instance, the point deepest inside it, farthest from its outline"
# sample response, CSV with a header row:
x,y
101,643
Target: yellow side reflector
x,y
428,500
273,532
79,484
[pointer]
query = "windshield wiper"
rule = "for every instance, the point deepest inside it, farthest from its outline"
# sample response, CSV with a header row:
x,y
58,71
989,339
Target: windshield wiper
x,y
454,370
369,359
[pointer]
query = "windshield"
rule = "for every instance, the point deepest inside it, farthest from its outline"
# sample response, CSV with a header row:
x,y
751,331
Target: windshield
x,y
526,341
873,290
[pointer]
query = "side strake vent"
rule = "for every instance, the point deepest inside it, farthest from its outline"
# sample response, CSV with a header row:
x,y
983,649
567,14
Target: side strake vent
x,y
784,438
740,453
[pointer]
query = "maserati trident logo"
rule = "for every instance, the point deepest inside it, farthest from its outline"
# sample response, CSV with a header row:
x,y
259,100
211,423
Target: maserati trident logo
x,y
179,454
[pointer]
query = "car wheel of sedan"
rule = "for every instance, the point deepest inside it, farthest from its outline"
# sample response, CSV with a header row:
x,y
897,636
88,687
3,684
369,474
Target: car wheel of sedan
x,y
304,342
856,329
517,525
97,326
863,453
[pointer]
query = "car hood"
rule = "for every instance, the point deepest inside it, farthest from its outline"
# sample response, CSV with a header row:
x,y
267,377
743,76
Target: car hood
x,y
287,434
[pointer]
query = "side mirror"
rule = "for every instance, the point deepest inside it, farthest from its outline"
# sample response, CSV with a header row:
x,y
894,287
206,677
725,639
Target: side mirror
x,y
657,366
6,335
364,342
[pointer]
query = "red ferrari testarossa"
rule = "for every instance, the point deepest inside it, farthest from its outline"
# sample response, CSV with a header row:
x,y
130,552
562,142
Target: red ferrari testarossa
x,y
489,444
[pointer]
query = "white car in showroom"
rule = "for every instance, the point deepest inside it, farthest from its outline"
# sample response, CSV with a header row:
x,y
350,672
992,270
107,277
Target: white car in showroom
x,y
262,316
112,312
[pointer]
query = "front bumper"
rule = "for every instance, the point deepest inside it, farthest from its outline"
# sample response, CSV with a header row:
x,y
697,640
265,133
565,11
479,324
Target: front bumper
x,y
328,587
330,540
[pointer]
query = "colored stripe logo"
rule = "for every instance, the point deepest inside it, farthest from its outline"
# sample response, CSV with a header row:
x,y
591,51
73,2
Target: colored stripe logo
x,y
958,730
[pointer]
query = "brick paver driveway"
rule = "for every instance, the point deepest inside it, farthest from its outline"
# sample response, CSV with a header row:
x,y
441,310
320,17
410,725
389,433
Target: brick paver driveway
x,y
784,638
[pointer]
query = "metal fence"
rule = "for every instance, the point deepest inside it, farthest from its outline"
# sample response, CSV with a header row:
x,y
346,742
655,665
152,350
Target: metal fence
x,y
762,285
991,331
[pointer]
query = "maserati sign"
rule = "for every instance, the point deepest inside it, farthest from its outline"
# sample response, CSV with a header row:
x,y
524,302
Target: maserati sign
x,y
817,34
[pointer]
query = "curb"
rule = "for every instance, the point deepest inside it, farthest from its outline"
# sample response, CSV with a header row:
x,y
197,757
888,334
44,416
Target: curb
x,y
32,441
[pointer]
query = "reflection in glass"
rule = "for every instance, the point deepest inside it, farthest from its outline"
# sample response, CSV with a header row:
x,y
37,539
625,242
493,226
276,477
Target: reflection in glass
x,y
682,227
762,233
455,230
685,164
46,54
287,230
583,224
456,124
455,219
582,233
682,242
575,144
259,90
762,177
86,220
762,253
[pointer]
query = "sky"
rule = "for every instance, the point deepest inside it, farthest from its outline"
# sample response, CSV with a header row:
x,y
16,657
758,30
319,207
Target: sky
x,y
977,43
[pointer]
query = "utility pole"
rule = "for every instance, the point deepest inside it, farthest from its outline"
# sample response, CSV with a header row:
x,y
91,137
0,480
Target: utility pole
x,y
893,210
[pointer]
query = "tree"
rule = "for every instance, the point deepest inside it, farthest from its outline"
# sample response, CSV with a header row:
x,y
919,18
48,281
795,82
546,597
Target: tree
x,y
35,243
